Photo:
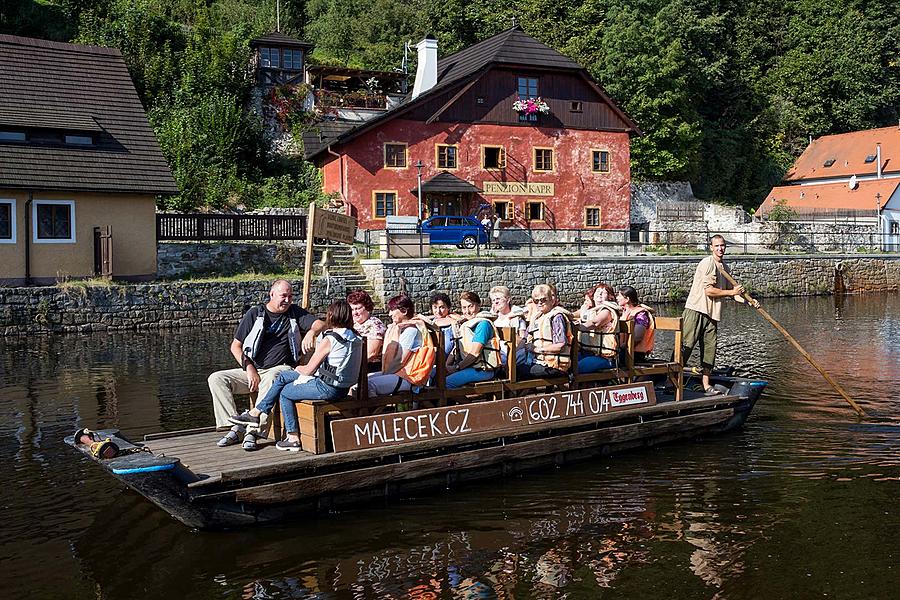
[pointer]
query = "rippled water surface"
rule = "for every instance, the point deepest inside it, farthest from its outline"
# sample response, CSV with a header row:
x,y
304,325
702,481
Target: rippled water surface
x,y
802,503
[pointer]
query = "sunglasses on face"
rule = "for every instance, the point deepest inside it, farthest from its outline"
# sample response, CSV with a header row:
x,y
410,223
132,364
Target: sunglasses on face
x,y
540,300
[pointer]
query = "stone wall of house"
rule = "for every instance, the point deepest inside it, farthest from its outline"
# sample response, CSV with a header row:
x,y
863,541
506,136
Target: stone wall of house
x,y
657,279
177,259
76,308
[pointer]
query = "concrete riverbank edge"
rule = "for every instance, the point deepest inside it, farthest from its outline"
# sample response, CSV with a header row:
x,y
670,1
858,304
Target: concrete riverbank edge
x,y
72,308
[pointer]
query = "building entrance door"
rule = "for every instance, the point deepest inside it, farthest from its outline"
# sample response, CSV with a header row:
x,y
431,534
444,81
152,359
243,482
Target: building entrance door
x,y
440,203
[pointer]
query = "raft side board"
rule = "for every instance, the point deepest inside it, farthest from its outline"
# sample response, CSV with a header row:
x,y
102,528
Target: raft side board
x,y
303,460
289,491
213,465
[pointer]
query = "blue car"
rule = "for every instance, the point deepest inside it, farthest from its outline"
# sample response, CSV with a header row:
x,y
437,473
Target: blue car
x,y
464,232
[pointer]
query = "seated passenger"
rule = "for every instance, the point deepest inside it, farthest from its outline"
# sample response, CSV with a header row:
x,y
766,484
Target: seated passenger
x,y
644,322
408,355
548,346
598,319
507,314
442,318
329,375
475,355
368,326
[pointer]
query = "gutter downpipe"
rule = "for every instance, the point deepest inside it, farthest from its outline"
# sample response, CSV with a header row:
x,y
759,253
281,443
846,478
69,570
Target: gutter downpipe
x,y
27,237
881,229
341,165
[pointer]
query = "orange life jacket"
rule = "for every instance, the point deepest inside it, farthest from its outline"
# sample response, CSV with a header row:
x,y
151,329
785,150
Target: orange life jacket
x,y
540,334
646,344
601,342
418,366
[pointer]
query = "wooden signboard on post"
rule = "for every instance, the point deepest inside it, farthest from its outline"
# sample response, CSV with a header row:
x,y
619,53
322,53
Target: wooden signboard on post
x,y
328,225
498,415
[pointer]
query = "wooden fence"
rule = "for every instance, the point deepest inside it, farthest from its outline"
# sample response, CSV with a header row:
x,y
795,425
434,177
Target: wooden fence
x,y
202,227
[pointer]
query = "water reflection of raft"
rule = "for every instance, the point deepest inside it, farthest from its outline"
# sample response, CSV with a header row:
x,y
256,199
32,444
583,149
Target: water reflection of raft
x,y
392,454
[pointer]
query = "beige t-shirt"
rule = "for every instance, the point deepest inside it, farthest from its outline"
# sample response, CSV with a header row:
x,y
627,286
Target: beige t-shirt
x,y
707,275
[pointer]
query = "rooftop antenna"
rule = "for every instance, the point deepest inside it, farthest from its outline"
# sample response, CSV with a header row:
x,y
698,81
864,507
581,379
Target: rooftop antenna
x,y
515,22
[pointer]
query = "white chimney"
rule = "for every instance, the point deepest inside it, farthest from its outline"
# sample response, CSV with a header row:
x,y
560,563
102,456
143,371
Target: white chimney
x,y
426,70
878,159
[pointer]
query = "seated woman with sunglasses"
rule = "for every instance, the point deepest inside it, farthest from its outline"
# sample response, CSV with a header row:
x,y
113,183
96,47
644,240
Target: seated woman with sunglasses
x,y
548,346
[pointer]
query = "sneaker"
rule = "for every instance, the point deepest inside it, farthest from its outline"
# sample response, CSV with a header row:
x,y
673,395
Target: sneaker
x,y
231,438
249,443
289,446
244,419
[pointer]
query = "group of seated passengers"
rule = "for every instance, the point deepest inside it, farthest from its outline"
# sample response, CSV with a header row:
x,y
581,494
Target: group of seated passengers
x,y
401,358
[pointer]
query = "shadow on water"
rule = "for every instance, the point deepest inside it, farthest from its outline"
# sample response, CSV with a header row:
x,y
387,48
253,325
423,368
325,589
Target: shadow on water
x,y
800,503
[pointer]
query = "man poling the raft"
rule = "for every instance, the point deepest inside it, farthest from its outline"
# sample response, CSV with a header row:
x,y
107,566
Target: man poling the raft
x,y
703,309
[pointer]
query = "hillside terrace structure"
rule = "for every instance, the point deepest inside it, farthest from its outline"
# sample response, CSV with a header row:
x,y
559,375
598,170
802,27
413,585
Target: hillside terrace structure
x,y
850,175
507,124
80,166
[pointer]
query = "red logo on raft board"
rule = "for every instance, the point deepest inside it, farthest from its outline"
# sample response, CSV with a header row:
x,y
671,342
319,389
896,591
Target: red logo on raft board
x,y
626,397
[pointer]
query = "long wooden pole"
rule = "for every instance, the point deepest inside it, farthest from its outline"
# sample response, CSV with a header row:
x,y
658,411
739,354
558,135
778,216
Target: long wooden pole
x,y
795,343
308,263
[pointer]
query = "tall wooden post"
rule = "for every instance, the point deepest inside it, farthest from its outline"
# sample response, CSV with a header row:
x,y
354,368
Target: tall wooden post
x,y
308,263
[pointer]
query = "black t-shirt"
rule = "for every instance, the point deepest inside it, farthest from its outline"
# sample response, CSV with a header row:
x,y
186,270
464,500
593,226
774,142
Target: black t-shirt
x,y
274,348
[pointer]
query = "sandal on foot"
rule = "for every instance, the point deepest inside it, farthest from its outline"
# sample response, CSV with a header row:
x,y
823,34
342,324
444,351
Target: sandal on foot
x,y
231,438
249,443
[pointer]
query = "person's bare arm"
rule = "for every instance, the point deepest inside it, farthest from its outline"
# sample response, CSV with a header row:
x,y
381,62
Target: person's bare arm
x,y
237,351
322,350
309,340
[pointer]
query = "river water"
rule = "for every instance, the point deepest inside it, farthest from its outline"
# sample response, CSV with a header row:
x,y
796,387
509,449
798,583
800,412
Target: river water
x,y
802,503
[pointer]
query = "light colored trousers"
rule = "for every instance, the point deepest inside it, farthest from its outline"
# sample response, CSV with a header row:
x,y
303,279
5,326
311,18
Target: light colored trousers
x,y
224,385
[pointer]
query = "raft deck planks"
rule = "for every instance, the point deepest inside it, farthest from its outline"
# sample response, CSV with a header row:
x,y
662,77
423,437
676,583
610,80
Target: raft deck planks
x,y
213,465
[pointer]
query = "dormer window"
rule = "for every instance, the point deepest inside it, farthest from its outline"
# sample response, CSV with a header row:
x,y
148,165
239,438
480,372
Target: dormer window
x,y
79,140
12,136
527,87
870,158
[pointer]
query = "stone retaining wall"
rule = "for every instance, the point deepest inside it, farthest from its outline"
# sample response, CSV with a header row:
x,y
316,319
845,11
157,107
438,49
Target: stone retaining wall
x,y
657,279
177,259
74,308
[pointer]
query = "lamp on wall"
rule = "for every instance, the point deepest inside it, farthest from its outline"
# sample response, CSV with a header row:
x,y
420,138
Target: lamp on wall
x,y
419,166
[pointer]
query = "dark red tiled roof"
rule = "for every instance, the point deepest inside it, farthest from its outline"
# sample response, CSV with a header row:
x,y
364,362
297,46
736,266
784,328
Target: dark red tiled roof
x,y
52,86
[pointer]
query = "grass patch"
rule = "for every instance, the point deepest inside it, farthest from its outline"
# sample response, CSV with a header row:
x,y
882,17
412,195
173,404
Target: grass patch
x,y
239,277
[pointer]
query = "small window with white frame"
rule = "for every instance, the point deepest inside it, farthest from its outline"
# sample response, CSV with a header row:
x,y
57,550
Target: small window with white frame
x,y
504,210
534,211
895,227
7,221
54,221
592,216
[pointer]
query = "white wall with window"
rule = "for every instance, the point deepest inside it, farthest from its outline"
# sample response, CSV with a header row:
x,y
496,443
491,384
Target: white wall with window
x,y
53,221
7,221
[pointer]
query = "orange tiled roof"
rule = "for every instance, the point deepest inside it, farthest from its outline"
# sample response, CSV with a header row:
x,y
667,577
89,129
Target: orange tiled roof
x,y
849,151
831,196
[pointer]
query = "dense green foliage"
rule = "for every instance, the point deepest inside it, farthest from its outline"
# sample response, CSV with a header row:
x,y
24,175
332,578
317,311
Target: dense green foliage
x,y
727,92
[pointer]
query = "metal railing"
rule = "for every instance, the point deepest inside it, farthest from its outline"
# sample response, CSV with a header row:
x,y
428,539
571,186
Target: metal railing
x,y
618,242
209,227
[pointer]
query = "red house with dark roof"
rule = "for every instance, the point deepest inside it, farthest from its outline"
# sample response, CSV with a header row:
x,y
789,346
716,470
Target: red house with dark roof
x,y
559,158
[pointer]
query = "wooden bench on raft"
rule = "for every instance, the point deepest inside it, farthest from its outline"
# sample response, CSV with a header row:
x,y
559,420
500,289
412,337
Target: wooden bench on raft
x,y
313,414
